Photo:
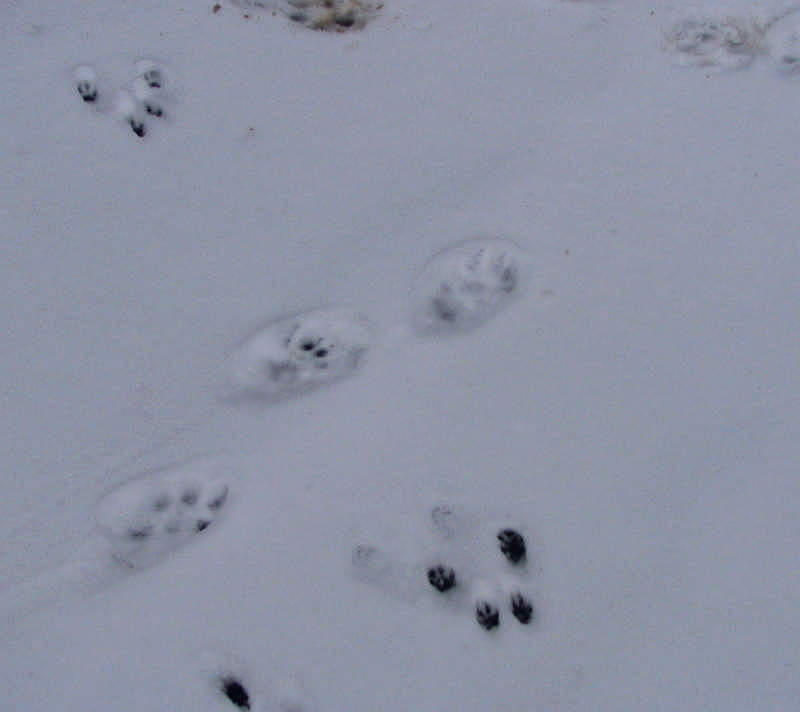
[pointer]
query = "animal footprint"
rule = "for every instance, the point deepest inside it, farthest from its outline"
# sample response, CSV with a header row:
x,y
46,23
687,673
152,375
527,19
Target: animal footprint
x,y
521,607
86,83
442,578
512,545
149,87
463,286
236,685
329,15
335,15
487,614
725,44
783,43
235,691
298,353
147,517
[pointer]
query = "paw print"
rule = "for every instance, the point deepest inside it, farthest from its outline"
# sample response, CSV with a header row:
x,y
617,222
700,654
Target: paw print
x,y
487,614
464,286
234,684
331,15
783,43
442,578
521,607
298,353
152,75
235,691
311,346
512,545
723,44
137,126
86,83
145,518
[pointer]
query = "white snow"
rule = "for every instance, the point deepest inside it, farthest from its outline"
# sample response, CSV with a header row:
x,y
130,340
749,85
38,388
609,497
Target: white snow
x,y
631,410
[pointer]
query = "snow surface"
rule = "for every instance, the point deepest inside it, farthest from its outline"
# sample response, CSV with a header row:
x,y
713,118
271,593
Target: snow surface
x,y
632,411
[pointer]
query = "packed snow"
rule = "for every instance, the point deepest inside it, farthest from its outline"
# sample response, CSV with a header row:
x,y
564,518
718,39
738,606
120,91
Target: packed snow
x,y
400,356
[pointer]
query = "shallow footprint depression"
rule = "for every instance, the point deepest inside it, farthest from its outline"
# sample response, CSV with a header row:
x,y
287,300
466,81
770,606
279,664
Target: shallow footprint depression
x,y
465,285
150,515
298,353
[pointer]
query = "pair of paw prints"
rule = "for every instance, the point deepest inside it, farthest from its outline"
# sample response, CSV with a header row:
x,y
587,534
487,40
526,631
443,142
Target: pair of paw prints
x,y
144,97
480,564
461,288
733,42
144,519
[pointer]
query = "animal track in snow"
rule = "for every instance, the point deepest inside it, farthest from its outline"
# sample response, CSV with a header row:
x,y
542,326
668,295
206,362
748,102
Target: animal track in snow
x,y
465,285
134,102
147,517
782,41
733,42
299,353
335,15
86,83
235,691
726,43
329,15
237,686
469,558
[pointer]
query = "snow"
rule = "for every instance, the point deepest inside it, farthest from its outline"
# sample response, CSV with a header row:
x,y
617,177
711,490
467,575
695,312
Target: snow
x,y
631,411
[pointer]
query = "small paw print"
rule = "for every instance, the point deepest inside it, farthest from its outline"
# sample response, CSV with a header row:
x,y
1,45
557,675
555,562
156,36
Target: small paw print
x,y
235,691
512,545
487,615
137,126
87,90
521,607
152,76
442,578
86,83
